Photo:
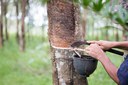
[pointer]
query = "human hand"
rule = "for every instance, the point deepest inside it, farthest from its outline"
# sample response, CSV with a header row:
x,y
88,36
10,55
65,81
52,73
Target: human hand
x,y
95,51
105,45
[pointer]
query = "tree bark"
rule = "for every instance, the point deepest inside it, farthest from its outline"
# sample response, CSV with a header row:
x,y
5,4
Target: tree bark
x,y
117,34
22,35
1,25
64,29
5,18
83,21
17,20
106,34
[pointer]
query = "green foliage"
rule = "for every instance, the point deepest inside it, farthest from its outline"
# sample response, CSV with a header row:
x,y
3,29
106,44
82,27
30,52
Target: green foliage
x,y
97,6
86,3
119,16
107,9
122,17
43,1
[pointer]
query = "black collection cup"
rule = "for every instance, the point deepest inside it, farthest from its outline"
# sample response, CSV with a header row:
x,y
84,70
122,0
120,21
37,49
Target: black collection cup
x,y
84,65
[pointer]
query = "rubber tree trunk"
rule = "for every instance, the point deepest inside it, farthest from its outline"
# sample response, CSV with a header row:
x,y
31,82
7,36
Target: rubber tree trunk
x,y
17,20
106,34
83,21
1,25
5,19
22,34
64,29
117,34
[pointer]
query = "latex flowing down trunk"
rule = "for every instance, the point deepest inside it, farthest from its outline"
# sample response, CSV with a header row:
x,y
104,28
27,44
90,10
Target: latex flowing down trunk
x,y
63,17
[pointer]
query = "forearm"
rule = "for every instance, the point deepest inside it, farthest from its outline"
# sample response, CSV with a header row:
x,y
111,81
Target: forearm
x,y
110,68
121,45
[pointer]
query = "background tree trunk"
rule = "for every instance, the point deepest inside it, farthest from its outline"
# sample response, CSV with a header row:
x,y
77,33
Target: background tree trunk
x,y
1,25
63,30
106,34
83,21
5,18
116,34
17,20
22,34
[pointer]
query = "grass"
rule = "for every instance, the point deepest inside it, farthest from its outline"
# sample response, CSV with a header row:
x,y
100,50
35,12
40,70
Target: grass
x,y
33,67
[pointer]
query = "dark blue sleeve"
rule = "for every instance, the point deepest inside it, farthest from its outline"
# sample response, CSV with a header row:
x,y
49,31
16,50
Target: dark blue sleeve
x,y
123,73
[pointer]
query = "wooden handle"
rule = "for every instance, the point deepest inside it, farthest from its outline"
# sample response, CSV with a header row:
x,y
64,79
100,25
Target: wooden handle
x,y
116,52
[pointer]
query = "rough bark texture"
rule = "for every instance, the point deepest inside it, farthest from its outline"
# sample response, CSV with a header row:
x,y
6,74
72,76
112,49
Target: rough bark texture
x,y
22,35
63,30
1,25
